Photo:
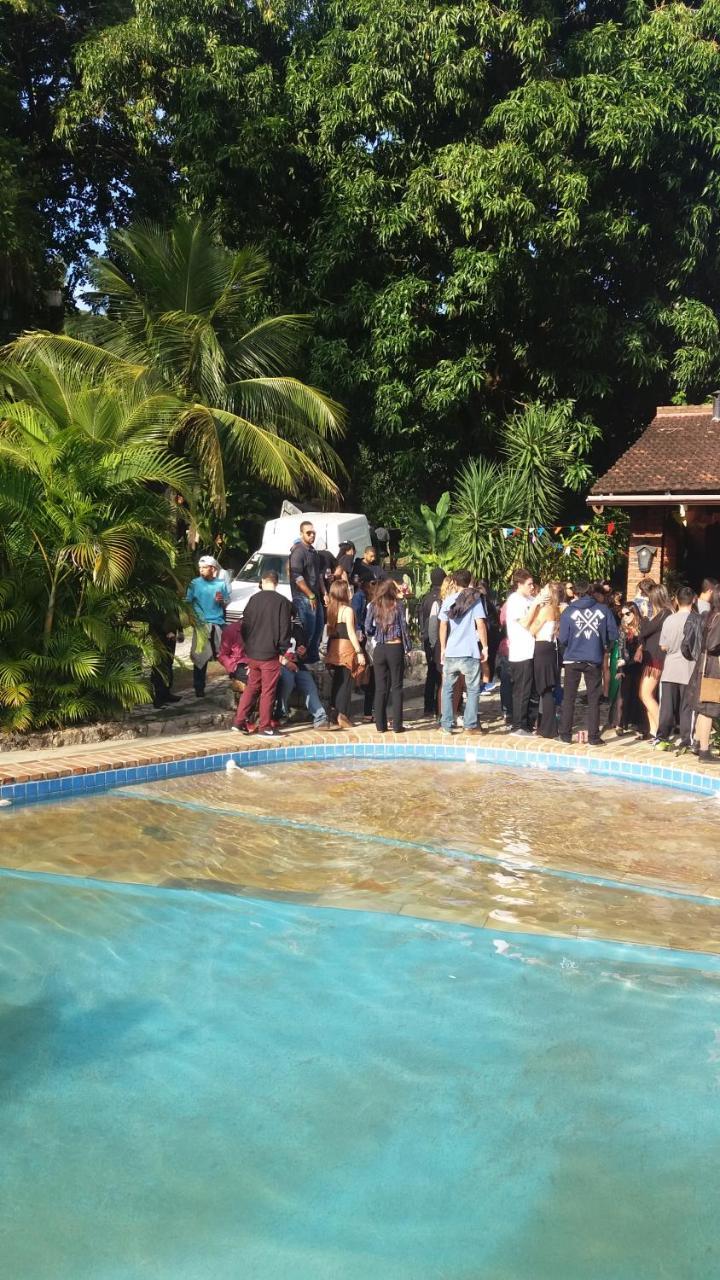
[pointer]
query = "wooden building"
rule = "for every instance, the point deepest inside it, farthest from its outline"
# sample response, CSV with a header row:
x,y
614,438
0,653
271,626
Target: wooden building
x,y
669,481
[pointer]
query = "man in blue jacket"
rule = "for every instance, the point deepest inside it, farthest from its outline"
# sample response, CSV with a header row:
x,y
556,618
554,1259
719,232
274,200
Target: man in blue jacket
x,y
587,631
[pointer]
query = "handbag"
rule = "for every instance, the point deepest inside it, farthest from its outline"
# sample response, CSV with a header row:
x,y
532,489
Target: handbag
x,y
709,686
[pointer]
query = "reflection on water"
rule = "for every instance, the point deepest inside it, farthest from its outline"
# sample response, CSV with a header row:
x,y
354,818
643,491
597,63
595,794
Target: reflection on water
x,y
527,851
208,1088
243,1083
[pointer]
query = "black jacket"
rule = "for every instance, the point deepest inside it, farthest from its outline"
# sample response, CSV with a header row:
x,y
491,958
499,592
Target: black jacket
x,y
305,564
425,609
266,625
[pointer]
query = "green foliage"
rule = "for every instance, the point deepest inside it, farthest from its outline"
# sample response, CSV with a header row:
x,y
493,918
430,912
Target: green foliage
x,y
484,206
429,536
87,538
543,449
177,304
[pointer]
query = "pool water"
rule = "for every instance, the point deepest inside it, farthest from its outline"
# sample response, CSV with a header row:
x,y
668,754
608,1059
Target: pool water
x,y
426,1022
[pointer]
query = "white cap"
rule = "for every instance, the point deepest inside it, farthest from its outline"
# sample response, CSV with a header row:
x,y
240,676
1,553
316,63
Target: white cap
x,y
208,561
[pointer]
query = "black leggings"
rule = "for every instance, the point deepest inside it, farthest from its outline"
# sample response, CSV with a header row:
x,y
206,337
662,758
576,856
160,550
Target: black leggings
x,y
341,690
389,662
545,670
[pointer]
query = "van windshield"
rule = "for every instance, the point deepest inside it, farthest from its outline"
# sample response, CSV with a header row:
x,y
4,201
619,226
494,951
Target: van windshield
x,y
259,564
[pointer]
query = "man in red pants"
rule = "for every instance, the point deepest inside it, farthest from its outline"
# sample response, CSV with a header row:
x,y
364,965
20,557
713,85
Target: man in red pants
x,y
266,634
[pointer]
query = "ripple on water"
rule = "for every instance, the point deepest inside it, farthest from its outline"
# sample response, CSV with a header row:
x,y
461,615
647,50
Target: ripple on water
x,y
545,853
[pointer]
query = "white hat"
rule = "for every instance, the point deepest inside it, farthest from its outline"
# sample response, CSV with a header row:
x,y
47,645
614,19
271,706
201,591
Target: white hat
x,y
208,561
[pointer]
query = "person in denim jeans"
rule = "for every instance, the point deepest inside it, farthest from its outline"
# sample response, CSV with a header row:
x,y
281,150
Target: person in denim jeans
x,y
296,676
307,588
463,644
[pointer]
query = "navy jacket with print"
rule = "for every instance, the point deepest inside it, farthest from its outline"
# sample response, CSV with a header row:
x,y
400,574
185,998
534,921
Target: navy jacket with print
x,y
587,630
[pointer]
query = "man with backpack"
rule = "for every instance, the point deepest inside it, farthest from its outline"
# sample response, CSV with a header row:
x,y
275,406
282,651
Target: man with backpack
x,y
424,613
681,640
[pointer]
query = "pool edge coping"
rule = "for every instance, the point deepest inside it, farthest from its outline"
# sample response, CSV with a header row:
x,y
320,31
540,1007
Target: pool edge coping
x,y
83,779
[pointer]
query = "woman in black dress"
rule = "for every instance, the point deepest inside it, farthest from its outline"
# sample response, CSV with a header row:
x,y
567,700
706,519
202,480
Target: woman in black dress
x,y
707,667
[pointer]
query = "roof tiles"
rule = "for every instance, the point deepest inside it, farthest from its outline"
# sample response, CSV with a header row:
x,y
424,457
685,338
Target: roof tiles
x,y
678,453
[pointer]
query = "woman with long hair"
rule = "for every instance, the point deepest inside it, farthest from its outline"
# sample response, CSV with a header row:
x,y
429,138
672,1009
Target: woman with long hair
x,y
625,707
653,656
345,656
704,686
544,625
385,623
362,592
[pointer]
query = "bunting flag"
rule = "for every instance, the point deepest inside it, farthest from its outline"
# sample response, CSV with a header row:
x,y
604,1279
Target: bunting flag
x,y
538,531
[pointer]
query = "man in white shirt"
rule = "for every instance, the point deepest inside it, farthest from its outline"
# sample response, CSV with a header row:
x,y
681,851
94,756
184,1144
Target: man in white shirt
x,y
521,648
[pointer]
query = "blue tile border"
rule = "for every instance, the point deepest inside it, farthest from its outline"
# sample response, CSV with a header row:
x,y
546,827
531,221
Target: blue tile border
x,y
101,780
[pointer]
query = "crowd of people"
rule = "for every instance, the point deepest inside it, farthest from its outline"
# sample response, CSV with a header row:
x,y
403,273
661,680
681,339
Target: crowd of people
x,y
651,664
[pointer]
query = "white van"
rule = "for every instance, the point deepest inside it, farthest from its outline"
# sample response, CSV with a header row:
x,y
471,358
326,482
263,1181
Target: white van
x,y
331,528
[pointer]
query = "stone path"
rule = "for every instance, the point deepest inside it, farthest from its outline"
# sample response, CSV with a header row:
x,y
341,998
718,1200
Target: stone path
x,y
24,766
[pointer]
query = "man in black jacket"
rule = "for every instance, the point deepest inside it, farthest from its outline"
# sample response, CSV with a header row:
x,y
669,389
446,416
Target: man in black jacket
x,y
266,635
433,677
308,588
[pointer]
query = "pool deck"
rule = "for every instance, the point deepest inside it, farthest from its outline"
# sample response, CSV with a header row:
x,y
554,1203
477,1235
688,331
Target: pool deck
x,y
61,762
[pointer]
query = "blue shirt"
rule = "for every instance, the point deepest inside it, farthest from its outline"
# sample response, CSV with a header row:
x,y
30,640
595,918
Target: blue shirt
x,y
359,606
462,641
201,595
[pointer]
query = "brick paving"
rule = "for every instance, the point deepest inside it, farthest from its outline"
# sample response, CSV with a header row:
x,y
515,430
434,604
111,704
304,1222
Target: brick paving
x,y
59,762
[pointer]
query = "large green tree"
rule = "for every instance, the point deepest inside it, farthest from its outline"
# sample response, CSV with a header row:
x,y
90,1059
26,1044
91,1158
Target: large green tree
x,y
484,204
57,199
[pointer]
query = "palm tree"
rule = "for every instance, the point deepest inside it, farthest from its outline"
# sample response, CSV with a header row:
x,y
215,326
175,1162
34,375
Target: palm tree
x,y
545,450
87,525
177,303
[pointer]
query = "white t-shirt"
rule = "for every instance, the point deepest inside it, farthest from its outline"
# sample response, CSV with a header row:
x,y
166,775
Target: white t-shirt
x,y
521,644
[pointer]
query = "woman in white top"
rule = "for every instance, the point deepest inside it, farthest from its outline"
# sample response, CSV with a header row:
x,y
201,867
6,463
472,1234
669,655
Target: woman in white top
x,y
544,624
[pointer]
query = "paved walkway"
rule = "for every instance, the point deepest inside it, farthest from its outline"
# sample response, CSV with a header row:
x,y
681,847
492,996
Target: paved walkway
x,y
56,762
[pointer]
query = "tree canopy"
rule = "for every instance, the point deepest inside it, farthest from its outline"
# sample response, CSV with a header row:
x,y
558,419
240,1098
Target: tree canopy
x,y
483,205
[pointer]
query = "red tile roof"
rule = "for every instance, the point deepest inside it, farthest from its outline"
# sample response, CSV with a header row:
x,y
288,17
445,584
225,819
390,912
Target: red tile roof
x,y
678,453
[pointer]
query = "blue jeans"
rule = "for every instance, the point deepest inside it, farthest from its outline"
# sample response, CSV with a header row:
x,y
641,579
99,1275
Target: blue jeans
x,y
313,622
470,669
303,681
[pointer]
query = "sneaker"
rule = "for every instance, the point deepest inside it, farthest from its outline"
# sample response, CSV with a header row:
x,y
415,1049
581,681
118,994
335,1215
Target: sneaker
x,y
489,688
520,733
595,742
321,725
476,728
662,744
452,730
565,737
271,732
707,757
241,728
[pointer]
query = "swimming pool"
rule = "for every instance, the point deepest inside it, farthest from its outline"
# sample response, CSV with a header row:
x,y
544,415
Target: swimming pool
x,y
361,1019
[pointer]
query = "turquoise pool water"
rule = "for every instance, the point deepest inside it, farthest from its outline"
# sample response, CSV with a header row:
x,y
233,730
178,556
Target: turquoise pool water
x,y
198,1086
